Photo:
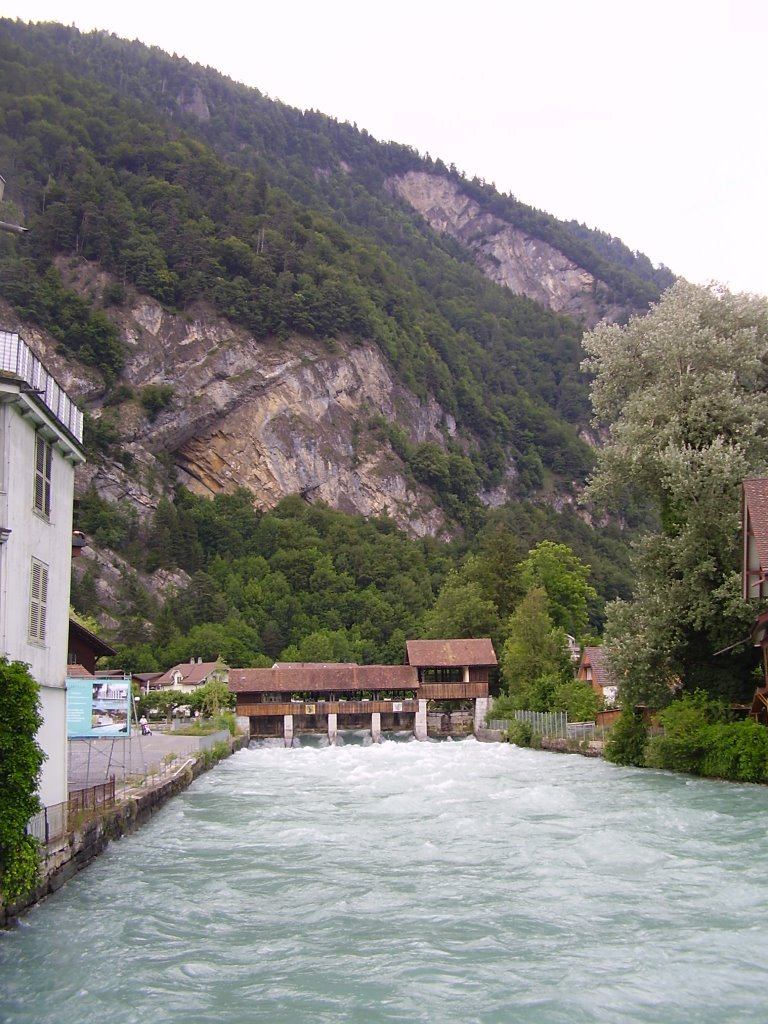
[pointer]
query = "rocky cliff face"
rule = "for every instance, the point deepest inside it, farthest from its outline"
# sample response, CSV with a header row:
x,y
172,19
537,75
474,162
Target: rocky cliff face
x,y
276,418
525,265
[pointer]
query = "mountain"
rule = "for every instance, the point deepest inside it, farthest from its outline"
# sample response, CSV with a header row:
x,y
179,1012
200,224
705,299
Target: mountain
x,y
242,294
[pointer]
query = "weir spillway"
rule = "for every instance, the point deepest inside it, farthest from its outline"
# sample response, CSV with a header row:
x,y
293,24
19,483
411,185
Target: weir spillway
x,y
290,698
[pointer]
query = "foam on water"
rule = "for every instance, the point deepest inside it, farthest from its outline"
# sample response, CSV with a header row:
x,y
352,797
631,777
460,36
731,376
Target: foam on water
x,y
440,882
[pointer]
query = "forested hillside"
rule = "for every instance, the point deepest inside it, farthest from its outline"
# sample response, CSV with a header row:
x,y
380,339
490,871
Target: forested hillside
x,y
142,177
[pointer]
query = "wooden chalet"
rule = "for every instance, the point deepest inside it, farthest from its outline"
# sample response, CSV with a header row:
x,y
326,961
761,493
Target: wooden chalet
x,y
292,698
84,649
452,669
594,670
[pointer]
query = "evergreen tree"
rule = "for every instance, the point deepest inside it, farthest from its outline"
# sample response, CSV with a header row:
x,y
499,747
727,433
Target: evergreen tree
x,y
534,660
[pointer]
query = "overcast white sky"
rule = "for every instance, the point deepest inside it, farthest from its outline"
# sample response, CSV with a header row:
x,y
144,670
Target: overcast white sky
x,y
646,120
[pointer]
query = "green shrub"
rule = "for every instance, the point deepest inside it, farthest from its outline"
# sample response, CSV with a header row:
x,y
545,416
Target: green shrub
x,y
578,699
21,760
215,753
676,754
503,707
114,294
737,751
683,746
226,720
156,397
520,733
627,740
21,869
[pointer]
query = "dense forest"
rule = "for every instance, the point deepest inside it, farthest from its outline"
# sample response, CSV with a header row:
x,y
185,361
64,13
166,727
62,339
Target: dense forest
x,y
307,583
179,184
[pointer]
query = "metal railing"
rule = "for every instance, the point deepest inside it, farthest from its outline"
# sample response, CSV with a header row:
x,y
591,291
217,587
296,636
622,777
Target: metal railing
x,y
17,357
48,824
94,798
542,723
55,821
553,724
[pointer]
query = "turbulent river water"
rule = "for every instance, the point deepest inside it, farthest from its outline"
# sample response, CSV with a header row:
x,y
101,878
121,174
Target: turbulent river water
x,y
439,882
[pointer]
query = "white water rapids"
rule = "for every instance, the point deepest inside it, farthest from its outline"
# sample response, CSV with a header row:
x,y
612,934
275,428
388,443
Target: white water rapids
x,y
412,882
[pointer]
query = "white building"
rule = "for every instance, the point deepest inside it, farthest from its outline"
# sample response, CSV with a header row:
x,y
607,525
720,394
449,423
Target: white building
x,y
190,677
41,434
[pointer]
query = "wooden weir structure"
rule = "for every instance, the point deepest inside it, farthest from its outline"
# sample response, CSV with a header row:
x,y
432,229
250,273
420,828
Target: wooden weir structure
x,y
291,699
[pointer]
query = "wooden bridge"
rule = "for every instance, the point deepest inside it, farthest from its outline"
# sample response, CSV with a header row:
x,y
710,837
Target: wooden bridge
x,y
293,698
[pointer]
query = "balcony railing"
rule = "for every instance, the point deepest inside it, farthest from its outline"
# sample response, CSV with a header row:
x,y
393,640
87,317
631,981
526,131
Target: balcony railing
x,y
17,357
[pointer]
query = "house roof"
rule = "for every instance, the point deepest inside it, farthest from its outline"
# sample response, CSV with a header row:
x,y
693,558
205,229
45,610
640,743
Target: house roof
x,y
756,505
601,673
85,636
289,677
77,671
149,680
192,673
450,653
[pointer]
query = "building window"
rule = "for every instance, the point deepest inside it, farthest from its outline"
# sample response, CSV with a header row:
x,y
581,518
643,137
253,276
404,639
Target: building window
x,y
38,601
43,460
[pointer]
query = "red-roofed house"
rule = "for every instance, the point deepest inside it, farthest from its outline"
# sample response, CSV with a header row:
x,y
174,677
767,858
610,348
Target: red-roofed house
x,y
188,676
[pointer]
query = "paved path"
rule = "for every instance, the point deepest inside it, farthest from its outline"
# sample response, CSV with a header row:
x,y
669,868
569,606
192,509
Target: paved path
x,y
94,761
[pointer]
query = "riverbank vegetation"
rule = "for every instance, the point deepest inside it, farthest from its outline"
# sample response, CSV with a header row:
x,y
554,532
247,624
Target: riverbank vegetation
x,y
698,736
682,394
21,760
536,661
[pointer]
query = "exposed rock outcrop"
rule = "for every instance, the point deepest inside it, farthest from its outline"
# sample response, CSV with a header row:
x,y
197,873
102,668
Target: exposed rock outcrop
x,y
192,101
279,418
505,254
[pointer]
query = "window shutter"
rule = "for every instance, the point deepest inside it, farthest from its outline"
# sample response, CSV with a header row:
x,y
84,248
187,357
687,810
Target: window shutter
x,y
38,601
43,462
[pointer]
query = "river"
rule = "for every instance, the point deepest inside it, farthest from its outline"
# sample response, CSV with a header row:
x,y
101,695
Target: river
x,y
412,882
